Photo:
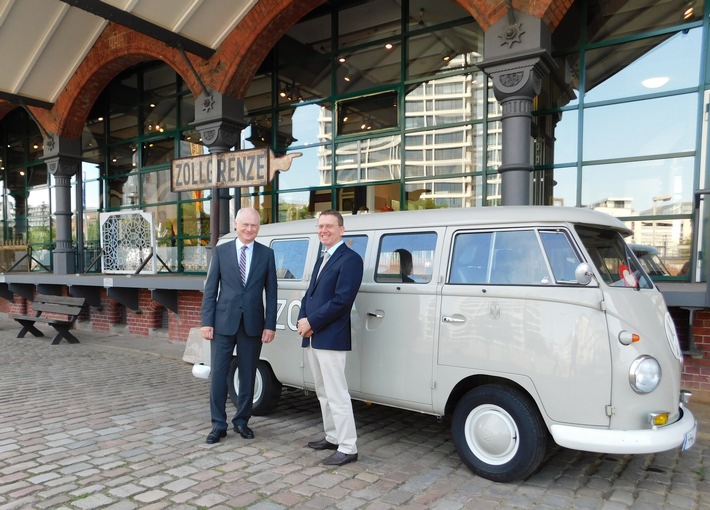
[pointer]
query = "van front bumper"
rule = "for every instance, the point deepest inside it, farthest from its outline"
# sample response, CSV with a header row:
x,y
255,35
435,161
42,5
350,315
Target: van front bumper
x,y
681,433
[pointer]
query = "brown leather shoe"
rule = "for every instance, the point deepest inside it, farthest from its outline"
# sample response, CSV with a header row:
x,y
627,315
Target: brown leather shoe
x,y
323,444
340,459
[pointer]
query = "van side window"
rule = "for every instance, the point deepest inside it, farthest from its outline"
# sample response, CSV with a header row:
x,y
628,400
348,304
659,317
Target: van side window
x,y
470,261
290,257
406,258
512,257
563,258
356,243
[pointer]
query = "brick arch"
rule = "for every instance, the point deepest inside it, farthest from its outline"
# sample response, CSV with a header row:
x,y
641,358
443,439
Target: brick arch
x,y
243,51
116,49
6,107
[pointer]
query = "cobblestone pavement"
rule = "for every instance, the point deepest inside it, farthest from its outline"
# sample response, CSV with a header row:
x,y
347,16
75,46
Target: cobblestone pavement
x,y
119,422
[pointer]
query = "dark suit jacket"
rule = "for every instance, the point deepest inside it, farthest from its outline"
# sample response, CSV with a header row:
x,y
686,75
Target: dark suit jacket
x,y
329,299
226,300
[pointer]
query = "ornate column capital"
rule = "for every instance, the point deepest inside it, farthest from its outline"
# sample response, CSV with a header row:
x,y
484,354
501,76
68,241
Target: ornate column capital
x,y
219,119
517,55
62,155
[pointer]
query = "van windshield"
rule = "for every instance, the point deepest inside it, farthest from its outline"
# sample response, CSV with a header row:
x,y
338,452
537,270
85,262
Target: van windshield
x,y
613,258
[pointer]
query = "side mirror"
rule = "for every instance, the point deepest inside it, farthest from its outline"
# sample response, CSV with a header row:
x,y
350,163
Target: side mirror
x,y
583,273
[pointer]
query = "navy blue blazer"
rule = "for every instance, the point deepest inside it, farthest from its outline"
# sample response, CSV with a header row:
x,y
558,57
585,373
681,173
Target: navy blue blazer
x,y
225,299
329,299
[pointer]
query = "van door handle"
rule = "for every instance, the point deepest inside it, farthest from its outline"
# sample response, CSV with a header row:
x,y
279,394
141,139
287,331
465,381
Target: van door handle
x,y
373,314
452,319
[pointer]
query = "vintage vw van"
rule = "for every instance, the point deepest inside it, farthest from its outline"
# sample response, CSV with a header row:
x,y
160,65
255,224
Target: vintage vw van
x,y
520,324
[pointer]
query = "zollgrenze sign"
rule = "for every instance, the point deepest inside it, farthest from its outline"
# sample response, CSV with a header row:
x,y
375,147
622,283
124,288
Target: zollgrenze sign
x,y
251,167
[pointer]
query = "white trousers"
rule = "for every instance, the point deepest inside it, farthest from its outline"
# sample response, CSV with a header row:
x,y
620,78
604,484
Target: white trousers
x,y
328,369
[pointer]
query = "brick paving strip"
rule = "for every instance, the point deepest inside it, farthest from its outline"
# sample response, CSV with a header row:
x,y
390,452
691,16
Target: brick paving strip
x,y
119,422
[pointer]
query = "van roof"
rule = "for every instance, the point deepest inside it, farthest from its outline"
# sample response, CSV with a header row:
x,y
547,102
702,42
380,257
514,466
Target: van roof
x,y
477,216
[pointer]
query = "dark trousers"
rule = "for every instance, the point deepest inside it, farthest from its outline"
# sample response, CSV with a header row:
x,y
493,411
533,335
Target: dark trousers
x,y
248,351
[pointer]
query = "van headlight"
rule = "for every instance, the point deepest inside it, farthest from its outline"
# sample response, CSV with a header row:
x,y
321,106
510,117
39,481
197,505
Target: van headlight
x,y
644,374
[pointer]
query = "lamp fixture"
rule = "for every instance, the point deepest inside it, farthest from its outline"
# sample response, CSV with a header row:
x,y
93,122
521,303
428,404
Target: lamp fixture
x,y
342,59
389,46
655,82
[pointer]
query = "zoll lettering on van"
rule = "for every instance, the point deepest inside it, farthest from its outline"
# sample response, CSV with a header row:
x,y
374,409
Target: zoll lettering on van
x,y
252,167
292,314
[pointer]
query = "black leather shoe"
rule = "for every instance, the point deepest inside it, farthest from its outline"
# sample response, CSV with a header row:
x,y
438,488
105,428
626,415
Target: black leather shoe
x,y
340,459
323,444
244,431
214,436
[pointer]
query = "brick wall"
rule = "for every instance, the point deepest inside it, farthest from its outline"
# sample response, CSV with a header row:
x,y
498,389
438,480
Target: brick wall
x,y
696,368
188,316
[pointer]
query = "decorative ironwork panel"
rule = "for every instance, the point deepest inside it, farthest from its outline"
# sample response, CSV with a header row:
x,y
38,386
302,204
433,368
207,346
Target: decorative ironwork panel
x,y
127,242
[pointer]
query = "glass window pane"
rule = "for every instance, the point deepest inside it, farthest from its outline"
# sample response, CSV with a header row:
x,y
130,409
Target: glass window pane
x,y
369,68
93,197
406,258
37,175
659,64
304,75
159,116
450,49
156,187
640,187
157,152
123,191
306,171
187,110
663,246
123,159
422,15
308,124
123,124
641,128
566,133
290,258
561,254
642,15
356,26
470,260
518,260
368,113
373,159
564,191
294,206
356,243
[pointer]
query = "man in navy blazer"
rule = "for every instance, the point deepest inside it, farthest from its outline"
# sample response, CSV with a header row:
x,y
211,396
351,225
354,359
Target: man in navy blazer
x,y
324,324
238,308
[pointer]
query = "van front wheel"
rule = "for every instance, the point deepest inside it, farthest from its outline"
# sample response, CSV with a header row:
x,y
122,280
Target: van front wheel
x,y
499,433
267,389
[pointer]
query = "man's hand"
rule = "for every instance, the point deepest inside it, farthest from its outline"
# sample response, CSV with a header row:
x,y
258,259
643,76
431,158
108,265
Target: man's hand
x,y
267,336
304,328
207,332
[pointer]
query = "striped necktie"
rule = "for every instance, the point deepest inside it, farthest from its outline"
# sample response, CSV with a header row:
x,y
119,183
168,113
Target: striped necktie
x,y
243,264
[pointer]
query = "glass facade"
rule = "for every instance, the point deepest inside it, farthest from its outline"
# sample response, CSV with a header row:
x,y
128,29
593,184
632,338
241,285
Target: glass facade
x,y
627,141
386,103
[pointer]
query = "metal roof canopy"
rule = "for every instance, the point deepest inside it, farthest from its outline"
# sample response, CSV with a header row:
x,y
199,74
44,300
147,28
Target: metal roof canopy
x,y
43,42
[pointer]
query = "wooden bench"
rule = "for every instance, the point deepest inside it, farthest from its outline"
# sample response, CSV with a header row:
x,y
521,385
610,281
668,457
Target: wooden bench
x,y
67,307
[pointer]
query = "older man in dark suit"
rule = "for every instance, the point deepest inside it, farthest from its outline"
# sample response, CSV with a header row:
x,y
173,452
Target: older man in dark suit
x,y
235,312
324,324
